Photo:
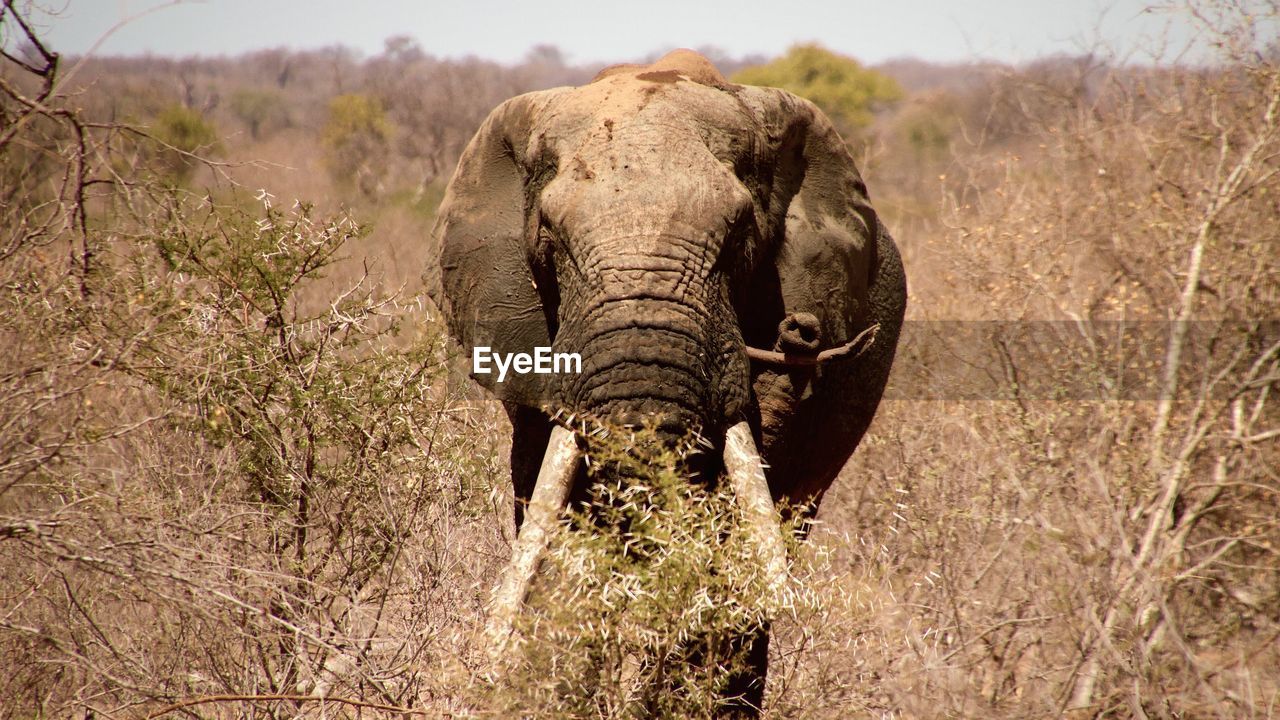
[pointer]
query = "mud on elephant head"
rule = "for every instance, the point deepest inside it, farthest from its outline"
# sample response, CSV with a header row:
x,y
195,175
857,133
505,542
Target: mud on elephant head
x,y
660,221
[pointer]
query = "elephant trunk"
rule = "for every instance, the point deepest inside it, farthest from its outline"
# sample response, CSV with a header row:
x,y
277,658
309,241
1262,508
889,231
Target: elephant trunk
x,y
656,343
647,358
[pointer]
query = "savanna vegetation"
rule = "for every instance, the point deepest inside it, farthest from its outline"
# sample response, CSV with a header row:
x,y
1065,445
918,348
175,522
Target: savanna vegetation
x,y
242,474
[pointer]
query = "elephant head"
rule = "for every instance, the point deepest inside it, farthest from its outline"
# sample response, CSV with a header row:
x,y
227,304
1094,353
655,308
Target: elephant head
x,y
699,244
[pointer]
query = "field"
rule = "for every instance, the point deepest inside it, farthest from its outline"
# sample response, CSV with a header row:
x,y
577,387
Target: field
x,y
243,474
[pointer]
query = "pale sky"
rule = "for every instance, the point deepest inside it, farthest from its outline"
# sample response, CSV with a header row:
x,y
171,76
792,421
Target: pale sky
x,y
601,31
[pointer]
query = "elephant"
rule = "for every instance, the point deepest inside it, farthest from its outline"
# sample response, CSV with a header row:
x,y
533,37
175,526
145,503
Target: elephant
x,y
707,251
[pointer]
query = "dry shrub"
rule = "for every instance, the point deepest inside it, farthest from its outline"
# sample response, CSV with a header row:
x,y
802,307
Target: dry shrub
x,y
279,498
231,474
646,588
647,596
1093,531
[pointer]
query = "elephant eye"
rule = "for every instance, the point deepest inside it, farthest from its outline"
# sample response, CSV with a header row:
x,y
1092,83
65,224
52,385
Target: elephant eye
x,y
545,243
545,236
550,248
734,230
745,167
737,239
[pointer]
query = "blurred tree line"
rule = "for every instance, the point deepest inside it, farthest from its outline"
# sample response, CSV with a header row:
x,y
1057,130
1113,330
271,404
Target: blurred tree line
x,y
397,120
393,125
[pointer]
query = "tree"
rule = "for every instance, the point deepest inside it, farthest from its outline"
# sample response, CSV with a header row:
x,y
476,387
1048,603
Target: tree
x,y
185,134
357,137
840,85
258,109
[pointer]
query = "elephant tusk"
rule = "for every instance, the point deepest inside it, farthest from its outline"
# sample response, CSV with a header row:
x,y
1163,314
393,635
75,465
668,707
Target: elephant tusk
x,y
854,347
550,494
764,527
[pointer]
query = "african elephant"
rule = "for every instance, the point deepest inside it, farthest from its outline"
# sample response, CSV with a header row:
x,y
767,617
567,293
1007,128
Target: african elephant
x,y
709,252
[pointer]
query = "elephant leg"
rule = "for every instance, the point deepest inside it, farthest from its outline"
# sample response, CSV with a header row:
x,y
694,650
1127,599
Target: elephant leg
x,y
745,690
530,431
742,695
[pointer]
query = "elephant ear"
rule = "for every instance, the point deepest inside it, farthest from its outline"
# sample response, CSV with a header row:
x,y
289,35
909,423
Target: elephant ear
x,y
479,272
829,255
827,239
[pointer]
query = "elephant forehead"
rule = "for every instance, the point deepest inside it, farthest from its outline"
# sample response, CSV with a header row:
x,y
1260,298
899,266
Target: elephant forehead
x,y
679,192
624,143
616,137
621,109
